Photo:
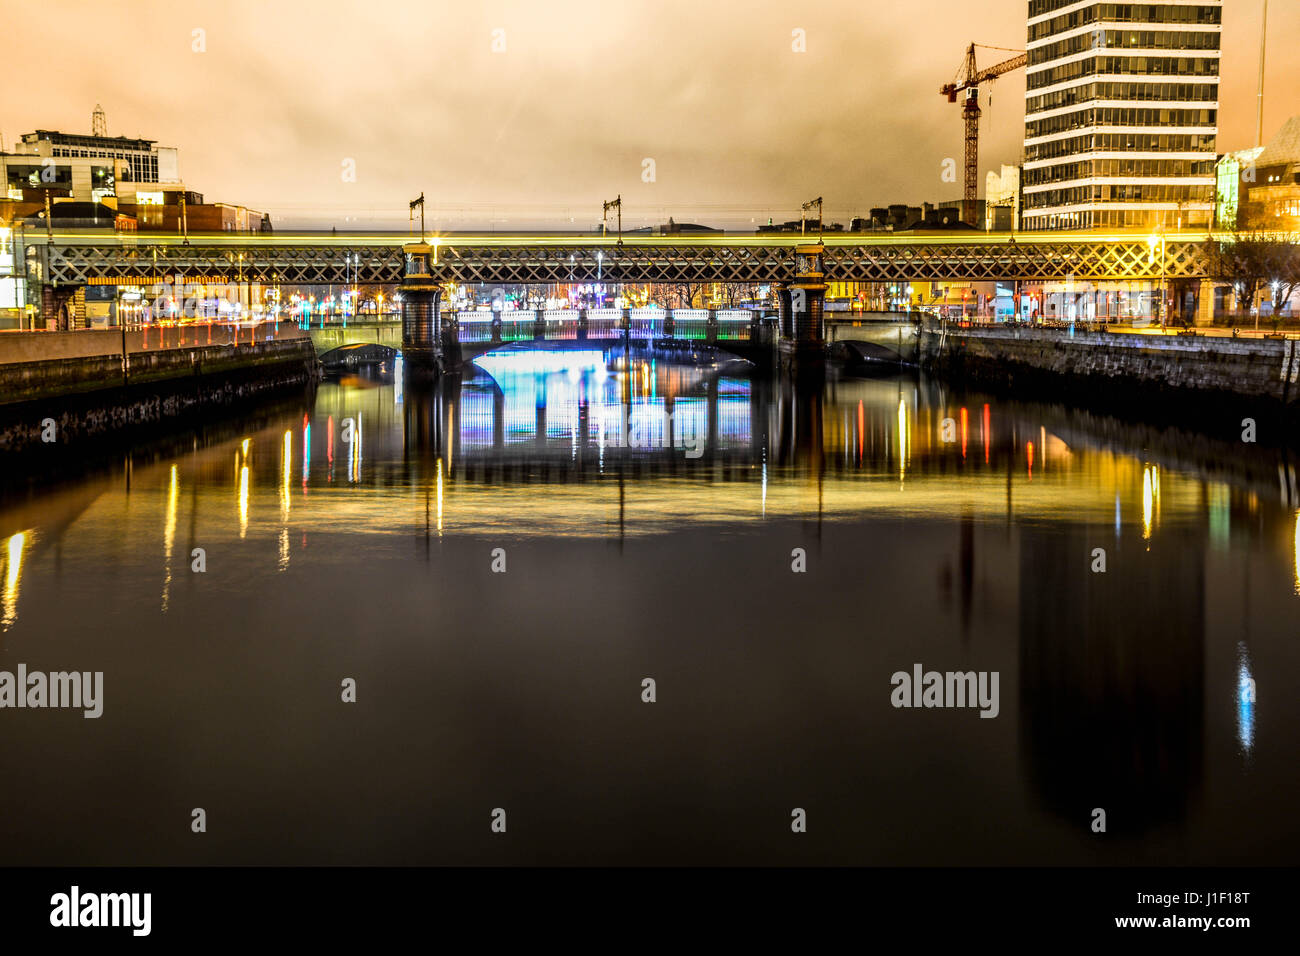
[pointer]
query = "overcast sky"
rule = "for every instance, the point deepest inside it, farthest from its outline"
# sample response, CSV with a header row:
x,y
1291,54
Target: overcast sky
x,y
584,91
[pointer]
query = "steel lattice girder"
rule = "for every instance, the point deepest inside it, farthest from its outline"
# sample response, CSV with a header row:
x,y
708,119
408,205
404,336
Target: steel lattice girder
x,y
1078,259
296,264
525,263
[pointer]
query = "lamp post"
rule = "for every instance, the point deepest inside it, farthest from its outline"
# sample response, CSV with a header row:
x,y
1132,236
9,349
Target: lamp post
x,y
418,202
1158,239
803,217
615,203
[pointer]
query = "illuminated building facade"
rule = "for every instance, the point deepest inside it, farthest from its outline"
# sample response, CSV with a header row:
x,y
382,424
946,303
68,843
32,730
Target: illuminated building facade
x,y
1121,114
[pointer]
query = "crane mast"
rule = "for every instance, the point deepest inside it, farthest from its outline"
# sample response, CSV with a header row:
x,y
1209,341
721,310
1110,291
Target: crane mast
x,y
969,78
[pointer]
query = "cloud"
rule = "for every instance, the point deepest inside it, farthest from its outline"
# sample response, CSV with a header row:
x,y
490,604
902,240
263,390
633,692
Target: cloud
x,y
737,123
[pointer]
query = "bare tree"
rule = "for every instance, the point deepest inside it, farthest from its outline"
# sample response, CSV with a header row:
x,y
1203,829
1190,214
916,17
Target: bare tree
x,y
1251,260
1282,272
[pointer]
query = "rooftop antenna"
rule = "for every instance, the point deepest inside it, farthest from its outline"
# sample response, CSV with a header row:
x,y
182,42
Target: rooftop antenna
x,y
98,122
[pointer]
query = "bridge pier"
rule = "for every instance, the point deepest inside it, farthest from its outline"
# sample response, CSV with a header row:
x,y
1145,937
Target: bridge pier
x,y
452,356
59,303
806,297
422,337
783,310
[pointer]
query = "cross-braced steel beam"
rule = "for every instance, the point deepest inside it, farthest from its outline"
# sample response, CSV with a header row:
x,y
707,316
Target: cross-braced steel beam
x,y
298,262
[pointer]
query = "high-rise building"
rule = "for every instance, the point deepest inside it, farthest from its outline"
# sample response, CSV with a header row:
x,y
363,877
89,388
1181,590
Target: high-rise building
x,y
1121,114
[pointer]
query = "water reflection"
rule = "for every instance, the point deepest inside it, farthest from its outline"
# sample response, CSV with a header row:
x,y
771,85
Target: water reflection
x,y
1245,701
1112,675
940,526
169,532
13,578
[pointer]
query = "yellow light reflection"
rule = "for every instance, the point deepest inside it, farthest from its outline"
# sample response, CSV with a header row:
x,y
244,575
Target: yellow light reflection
x,y
1150,498
13,578
1297,552
902,438
243,501
439,496
169,533
284,550
354,452
285,469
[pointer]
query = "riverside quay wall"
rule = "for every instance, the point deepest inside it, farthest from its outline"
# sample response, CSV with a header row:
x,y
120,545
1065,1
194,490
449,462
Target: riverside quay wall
x,y
86,385
1259,372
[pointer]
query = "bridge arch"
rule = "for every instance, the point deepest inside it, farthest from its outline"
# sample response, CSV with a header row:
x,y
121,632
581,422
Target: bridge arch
x,y
358,354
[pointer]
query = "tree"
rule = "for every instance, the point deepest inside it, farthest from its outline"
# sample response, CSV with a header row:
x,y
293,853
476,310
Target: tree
x,y
1255,259
685,295
1283,272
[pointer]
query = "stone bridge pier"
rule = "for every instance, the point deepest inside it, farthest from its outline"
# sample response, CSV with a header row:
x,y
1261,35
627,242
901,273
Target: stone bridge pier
x,y
803,324
423,345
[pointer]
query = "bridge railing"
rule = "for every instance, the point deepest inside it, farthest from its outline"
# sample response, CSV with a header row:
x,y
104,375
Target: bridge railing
x,y
561,324
475,326
519,325
734,324
647,323
604,323
691,324
687,325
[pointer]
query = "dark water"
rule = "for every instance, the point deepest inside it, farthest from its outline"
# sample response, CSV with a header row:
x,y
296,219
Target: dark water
x,y
661,551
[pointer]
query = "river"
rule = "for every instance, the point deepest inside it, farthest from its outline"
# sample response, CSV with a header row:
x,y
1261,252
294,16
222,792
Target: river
x,y
638,610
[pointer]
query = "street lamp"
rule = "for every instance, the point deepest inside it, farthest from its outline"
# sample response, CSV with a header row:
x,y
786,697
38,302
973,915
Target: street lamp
x,y
803,218
615,203
1158,238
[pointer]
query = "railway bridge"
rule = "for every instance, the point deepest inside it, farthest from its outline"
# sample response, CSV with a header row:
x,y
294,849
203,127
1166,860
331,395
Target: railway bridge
x,y
797,268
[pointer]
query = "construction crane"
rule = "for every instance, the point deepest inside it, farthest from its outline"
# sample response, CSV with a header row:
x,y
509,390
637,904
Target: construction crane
x,y
968,79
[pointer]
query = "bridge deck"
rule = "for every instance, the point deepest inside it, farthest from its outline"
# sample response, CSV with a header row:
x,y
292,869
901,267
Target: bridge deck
x,y
74,259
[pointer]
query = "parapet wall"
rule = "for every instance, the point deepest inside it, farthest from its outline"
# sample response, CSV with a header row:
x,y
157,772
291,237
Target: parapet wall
x,y
1209,365
87,397
56,377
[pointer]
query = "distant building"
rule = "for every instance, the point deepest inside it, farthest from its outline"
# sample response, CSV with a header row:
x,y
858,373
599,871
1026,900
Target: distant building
x,y
137,177
1121,114
1228,174
72,214
672,228
805,226
142,159
895,218
1002,192
1272,200
84,168
157,208
901,217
